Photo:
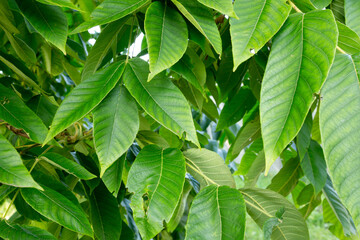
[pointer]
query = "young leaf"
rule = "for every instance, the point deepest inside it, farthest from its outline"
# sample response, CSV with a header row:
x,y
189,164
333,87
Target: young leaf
x,y
84,97
258,22
49,21
299,62
207,167
116,123
156,177
352,14
217,212
67,165
223,6
8,231
12,170
58,208
166,35
202,19
158,97
340,133
262,204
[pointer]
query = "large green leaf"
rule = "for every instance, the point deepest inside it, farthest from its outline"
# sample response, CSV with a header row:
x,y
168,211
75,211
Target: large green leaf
x,y
217,212
262,204
156,177
14,111
110,10
340,132
158,99
67,165
349,41
352,14
58,208
207,167
18,232
116,123
223,6
49,21
84,97
258,22
105,214
298,64
201,17
60,3
166,35
12,170
102,46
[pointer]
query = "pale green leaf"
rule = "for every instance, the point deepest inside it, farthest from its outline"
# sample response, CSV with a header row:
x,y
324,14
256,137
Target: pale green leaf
x,y
201,17
257,167
339,128
223,6
58,208
84,97
298,64
18,232
249,157
349,41
158,99
167,37
258,22
352,14
216,213
262,204
207,167
49,21
158,174
110,10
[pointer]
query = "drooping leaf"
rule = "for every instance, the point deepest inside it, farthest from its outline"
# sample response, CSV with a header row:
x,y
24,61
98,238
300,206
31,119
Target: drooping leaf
x,y
58,208
202,19
116,123
158,97
14,111
224,210
255,170
49,21
67,165
349,41
23,50
105,214
298,64
352,14
159,175
60,3
8,231
84,97
223,6
12,170
113,176
258,22
166,35
262,204
110,10
203,162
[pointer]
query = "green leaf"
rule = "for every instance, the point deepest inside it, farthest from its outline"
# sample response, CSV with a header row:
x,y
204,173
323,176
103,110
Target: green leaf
x,y
223,6
349,41
8,231
258,22
5,190
58,208
67,165
217,212
298,64
158,99
14,111
84,98
116,123
12,170
340,133
110,10
314,166
320,4
207,167
201,17
102,46
60,3
262,204
304,5
337,7
156,177
105,214
303,139
255,170
49,21
249,157
352,14
23,50
113,176
167,37
271,223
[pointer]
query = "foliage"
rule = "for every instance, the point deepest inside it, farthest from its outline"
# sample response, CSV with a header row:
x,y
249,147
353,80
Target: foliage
x,y
165,121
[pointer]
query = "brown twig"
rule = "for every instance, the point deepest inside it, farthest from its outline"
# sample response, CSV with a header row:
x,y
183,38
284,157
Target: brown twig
x,y
17,131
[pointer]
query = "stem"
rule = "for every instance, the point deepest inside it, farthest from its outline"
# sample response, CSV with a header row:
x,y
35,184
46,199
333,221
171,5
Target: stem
x,y
130,36
340,50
